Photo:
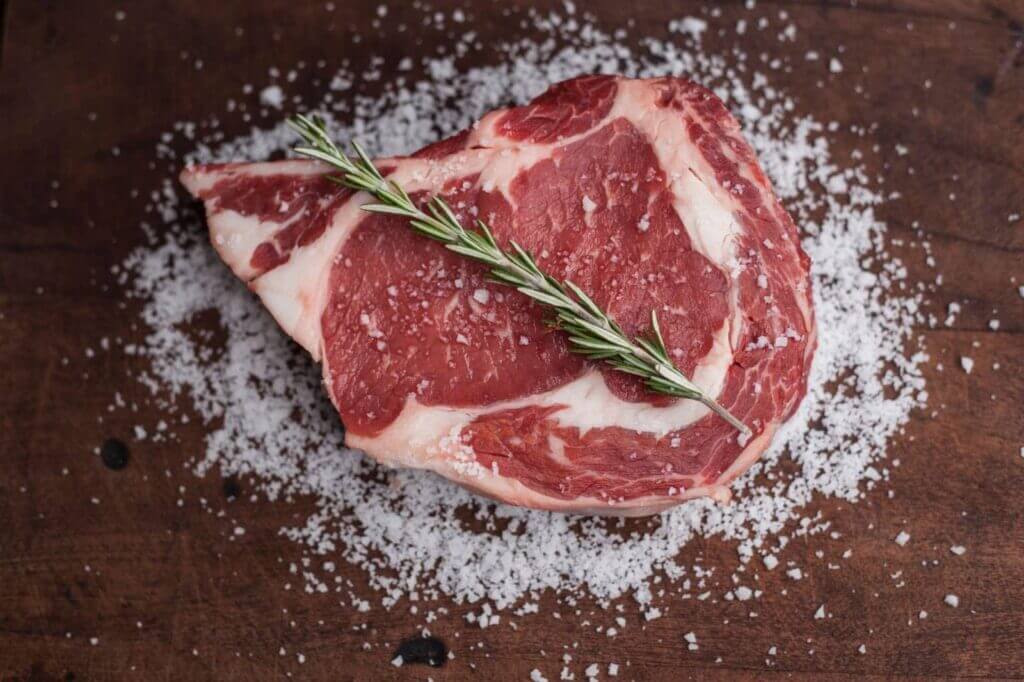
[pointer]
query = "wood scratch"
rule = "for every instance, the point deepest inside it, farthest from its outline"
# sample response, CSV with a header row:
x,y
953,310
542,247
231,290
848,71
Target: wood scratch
x,y
1017,34
1008,61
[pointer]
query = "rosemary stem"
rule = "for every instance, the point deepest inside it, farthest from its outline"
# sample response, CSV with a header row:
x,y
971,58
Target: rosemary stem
x,y
727,416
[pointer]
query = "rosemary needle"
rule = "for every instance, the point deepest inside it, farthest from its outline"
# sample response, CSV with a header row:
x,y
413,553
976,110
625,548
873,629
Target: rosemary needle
x,y
592,333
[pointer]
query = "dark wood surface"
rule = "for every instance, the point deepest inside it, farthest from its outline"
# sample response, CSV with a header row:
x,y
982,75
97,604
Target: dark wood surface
x,y
167,592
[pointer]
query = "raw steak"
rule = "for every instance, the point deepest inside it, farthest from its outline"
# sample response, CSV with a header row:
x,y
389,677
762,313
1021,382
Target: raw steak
x,y
645,194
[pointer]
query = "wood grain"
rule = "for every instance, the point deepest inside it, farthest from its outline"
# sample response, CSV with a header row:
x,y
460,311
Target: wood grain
x,y
170,594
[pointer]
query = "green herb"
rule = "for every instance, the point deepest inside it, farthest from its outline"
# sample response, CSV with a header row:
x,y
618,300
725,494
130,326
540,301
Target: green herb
x,y
592,333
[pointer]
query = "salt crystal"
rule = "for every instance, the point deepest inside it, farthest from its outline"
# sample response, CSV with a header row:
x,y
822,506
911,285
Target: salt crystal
x,y
952,310
272,96
952,600
966,363
902,539
692,26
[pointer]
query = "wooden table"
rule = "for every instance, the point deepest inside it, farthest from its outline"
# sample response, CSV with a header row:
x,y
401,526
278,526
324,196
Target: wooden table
x,y
86,552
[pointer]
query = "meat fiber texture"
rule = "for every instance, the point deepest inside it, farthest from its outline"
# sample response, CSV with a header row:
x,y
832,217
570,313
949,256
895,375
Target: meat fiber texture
x,y
642,192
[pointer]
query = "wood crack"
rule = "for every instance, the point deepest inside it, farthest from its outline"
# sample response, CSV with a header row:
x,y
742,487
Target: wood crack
x,y
884,10
972,331
973,154
43,248
931,234
949,236
3,29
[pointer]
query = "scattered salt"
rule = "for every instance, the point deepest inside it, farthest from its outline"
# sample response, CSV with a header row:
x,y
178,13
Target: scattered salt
x,y
248,397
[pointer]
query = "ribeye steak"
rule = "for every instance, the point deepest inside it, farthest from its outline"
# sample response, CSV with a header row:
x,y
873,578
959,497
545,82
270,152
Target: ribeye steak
x,y
642,192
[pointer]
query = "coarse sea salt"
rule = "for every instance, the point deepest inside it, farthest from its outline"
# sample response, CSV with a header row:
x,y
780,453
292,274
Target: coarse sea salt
x,y
414,533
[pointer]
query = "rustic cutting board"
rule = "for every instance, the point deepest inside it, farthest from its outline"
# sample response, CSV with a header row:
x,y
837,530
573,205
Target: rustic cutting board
x,y
168,595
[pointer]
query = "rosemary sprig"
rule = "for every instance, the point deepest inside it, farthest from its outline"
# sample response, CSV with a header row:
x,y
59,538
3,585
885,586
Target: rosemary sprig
x,y
592,333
